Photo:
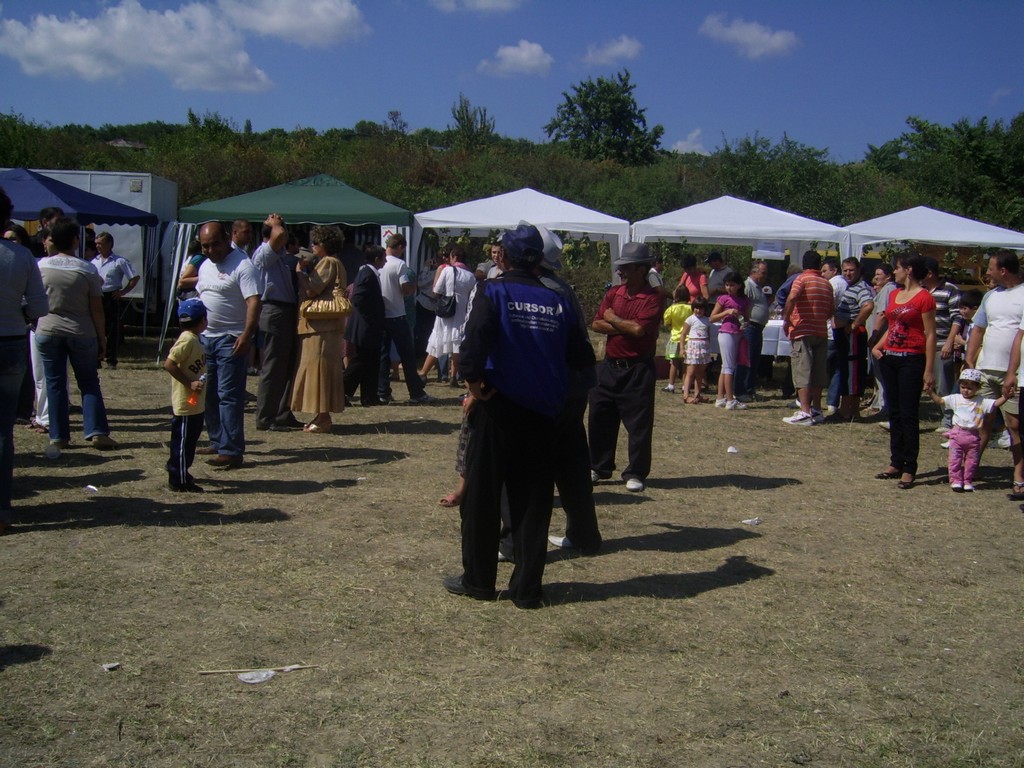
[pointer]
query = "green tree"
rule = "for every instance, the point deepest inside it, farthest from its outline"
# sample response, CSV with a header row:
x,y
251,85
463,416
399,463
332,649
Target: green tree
x,y
473,128
602,121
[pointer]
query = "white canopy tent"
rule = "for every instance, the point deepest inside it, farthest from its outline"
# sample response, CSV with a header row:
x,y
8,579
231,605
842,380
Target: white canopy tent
x,y
730,221
927,225
507,210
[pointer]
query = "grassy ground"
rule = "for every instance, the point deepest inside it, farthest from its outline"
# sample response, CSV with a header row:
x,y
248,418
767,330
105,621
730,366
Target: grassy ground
x,y
857,625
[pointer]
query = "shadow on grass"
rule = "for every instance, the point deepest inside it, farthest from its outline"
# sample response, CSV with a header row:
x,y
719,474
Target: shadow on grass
x,y
230,483
744,482
679,538
99,511
31,485
21,654
408,426
666,586
311,453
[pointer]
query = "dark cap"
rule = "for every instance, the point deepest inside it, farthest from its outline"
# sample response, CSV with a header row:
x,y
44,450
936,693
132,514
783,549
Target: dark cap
x,y
191,311
713,256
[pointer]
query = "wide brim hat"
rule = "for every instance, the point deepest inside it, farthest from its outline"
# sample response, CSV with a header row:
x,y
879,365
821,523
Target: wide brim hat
x,y
634,253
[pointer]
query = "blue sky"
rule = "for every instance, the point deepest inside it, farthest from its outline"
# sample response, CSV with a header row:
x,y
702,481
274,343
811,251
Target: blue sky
x,y
836,76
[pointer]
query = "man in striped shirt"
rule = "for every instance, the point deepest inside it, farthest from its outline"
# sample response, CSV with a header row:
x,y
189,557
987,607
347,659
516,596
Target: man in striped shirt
x,y
805,320
849,329
947,325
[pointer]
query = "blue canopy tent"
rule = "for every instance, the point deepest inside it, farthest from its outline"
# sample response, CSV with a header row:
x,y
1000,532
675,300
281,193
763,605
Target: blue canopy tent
x,y
30,192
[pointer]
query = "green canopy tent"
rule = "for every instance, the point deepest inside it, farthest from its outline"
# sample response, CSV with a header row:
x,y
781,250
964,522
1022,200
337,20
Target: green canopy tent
x,y
320,199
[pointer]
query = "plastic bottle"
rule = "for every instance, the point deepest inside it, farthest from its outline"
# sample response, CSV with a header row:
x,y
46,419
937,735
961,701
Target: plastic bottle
x,y
193,398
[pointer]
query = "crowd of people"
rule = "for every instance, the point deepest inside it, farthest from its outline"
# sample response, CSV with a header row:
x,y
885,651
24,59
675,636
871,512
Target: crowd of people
x,y
539,411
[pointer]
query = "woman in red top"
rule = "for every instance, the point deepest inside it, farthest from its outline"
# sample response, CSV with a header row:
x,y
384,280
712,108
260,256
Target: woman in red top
x,y
695,281
905,354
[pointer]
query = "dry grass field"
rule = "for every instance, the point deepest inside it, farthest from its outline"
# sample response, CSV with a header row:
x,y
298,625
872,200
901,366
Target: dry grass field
x,y
857,625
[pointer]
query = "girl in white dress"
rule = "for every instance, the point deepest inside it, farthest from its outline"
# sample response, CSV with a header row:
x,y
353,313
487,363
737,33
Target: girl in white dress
x,y
453,279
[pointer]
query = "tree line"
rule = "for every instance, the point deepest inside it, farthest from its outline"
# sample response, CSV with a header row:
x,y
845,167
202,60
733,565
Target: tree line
x,y
601,155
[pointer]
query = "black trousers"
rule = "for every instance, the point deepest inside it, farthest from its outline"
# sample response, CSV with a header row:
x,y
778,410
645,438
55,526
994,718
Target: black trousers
x,y
185,433
511,447
396,329
279,324
623,395
112,325
362,373
904,379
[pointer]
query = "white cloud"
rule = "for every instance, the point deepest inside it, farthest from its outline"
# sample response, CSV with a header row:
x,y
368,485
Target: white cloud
x,y
524,59
623,49
692,143
309,23
751,39
192,46
481,6
999,94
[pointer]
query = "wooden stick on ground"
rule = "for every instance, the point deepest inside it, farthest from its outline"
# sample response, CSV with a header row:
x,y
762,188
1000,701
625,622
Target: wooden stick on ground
x,y
290,668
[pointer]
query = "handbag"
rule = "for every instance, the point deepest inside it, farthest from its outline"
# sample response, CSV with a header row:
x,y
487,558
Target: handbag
x,y
445,306
445,303
333,308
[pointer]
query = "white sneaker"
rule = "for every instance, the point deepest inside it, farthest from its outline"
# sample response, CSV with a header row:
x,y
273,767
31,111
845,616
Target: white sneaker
x,y
634,485
953,486
720,403
944,445
562,542
735,405
968,487
800,419
669,388
884,425
1004,439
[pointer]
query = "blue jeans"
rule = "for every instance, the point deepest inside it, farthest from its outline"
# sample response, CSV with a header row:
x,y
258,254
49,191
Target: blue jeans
x,y
83,354
225,395
12,373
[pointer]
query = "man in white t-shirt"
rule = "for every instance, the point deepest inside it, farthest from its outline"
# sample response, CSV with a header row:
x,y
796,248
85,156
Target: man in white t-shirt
x,y
395,285
229,288
996,326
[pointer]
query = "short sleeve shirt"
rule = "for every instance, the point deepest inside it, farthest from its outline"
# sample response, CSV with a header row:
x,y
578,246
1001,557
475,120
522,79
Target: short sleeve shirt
x,y
70,282
643,308
906,329
115,272
223,289
188,354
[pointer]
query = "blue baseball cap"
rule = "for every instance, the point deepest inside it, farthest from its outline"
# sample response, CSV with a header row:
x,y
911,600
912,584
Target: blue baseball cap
x,y
191,310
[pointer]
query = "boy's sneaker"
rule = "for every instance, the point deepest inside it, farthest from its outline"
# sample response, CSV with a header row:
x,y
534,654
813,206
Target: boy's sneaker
x,y
956,487
720,403
800,419
745,398
1004,439
968,487
817,417
669,388
735,405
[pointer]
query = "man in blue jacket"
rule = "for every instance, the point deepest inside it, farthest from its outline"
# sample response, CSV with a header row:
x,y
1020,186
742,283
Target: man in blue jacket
x,y
521,338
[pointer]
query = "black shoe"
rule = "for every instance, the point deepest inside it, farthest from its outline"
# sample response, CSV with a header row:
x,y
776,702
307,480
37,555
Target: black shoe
x,y
289,422
456,586
189,487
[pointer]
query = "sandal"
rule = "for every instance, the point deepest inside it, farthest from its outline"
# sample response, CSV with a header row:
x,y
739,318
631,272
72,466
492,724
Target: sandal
x,y
451,500
314,427
905,485
1018,492
888,475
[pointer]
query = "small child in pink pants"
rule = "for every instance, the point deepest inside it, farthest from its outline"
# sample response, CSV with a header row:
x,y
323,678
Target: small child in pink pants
x,y
964,440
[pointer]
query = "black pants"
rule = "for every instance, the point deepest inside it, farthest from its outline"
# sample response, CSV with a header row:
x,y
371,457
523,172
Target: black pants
x,y
396,330
112,326
510,447
362,373
904,380
623,395
185,433
279,323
